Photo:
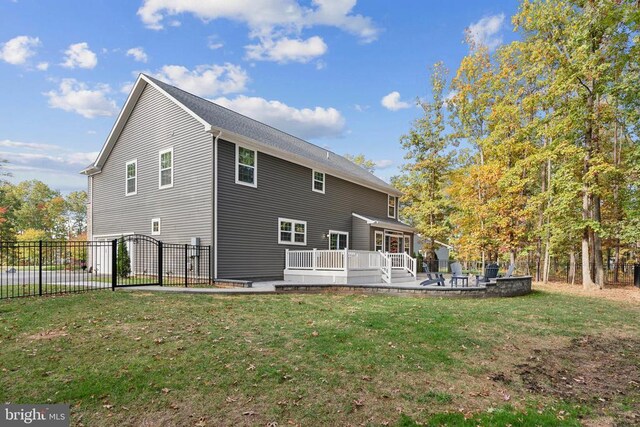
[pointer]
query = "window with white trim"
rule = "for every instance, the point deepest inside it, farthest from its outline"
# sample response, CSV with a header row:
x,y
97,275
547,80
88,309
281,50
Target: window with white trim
x,y
165,160
318,181
155,226
246,166
407,244
338,240
132,178
379,242
391,206
292,232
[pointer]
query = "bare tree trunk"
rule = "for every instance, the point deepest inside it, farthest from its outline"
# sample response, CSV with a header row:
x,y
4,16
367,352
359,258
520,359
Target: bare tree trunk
x,y
572,267
587,282
597,245
547,259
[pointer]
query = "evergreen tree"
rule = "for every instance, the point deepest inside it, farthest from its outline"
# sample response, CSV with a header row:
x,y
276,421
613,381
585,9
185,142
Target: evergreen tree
x,y
123,260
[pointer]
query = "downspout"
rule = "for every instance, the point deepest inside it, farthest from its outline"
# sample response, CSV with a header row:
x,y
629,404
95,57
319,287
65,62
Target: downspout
x,y
215,205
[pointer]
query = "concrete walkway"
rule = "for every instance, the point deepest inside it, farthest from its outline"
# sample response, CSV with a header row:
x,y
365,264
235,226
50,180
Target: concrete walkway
x,y
269,287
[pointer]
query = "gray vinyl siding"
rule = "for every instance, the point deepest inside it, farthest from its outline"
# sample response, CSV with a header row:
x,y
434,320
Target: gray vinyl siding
x,y
248,217
361,235
185,210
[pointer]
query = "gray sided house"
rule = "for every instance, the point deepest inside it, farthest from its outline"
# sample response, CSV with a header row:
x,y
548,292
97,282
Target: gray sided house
x,y
177,167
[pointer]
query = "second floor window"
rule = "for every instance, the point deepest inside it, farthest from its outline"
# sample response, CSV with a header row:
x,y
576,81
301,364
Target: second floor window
x,y
245,166
391,211
166,168
318,182
132,177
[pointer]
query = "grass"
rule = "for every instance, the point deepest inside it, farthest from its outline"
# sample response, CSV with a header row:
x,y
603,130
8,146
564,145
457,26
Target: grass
x,y
138,358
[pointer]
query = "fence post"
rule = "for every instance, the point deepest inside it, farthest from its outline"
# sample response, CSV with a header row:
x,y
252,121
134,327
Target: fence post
x,y
209,265
40,267
114,264
160,255
186,265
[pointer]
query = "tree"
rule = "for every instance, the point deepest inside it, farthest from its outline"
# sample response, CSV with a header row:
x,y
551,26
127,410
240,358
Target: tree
x,y
429,161
41,208
76,212
123,260
362,161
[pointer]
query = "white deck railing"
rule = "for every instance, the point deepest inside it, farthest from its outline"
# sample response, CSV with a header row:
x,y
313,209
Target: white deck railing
x,y
344,260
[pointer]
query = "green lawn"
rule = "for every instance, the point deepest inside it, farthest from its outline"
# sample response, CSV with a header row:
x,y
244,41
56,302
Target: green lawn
x,y
137,358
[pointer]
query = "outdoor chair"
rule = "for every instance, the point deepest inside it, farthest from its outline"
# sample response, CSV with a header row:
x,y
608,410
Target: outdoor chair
x,y
435,279
510,271
456,274
490,272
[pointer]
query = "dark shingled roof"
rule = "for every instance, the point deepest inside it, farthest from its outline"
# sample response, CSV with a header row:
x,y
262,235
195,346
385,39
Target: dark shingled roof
x,y
225,119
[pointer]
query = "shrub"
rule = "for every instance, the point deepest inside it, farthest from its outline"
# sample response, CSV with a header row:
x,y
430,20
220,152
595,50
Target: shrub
x,y
123,259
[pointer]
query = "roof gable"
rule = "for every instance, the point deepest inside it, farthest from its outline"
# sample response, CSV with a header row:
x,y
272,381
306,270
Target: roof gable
x,y
238,128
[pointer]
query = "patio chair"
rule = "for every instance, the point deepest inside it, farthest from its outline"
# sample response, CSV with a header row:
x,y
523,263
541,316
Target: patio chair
x,y
512,268
435,279
456,274
490,272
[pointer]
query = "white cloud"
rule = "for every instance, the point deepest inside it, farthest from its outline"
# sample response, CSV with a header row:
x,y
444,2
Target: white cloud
x,y
486,31
43,66
276,24
361,108
383,164
306,123
392,102
79,55
287,50
205,80
263,16
77,97
138,54
57,166
214,43
17,50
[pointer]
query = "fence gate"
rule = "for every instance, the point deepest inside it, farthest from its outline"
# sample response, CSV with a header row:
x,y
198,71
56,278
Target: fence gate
x,y
139,260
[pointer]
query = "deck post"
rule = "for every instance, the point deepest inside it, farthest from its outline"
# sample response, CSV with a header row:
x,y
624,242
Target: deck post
x,y
286,259
313,259
345,255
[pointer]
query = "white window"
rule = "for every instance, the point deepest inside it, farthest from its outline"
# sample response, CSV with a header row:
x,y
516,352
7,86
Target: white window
x,y
379,241
318,181
132,178
338,240
391,211
292,232
155,226
246,166
407,245
166,168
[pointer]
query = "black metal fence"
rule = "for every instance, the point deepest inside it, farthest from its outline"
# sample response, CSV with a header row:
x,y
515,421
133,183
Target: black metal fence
x,y
617,274
61,267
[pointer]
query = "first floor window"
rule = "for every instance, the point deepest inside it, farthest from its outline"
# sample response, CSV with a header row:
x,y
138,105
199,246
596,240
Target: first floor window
x,y
379,241
155,226
338,240
166,168
292,232
391,211
132,177
318,182
245,166
407,245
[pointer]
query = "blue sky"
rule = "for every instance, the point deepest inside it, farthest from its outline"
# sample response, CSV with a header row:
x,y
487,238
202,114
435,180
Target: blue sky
x,y
343,74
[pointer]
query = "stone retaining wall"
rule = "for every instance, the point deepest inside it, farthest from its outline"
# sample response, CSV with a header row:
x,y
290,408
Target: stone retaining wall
x,y
502,287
